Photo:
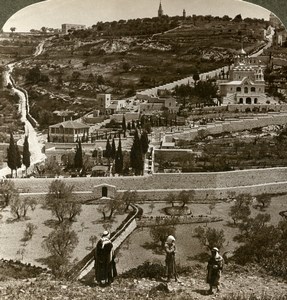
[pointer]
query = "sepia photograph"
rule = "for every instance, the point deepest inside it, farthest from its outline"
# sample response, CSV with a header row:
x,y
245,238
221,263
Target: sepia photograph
x,y
142,150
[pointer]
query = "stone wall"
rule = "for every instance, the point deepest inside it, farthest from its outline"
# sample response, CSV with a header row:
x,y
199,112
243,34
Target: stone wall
x,y
147,221
229,125
158,185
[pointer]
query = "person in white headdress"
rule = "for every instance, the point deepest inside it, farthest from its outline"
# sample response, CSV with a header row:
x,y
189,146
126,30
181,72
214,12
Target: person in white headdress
x,y
170,250
214,268
105,268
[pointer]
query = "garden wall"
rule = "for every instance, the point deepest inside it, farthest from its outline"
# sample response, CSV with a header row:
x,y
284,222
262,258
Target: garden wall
x,y
158,185
229,125
147,221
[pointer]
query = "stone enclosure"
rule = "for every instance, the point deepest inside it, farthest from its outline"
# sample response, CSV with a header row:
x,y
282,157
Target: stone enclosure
x,y
156,186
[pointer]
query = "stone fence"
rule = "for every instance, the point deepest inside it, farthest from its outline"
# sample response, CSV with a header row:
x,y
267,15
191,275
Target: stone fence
x,y
228,125
158,185
146,221
187,80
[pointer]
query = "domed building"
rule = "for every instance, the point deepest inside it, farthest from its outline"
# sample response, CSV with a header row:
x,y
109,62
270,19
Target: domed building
x,y
245,84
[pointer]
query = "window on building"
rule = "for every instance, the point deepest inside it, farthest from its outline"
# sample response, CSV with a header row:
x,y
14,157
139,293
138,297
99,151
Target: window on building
x,y
241,101
246,90
253,89
255,101
238,89
248,100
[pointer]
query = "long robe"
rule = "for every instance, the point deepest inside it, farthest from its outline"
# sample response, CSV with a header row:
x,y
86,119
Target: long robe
x,y
105,268
170,260
214,268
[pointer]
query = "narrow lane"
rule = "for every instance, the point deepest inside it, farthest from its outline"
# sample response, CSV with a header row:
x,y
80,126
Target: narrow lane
x,y
35,140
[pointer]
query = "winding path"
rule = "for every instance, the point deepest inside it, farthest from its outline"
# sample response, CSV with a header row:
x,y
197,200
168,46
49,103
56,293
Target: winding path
x,y
35,145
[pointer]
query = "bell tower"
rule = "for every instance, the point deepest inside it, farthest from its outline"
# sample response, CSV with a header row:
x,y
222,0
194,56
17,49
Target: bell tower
x,y
160,11
184,14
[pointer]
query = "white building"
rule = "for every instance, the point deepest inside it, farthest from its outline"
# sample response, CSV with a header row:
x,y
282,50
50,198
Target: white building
x,y
245,84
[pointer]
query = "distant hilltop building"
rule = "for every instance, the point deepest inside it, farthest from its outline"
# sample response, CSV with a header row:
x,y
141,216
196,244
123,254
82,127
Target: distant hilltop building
x,y
160,11
245,84
184,14
66,28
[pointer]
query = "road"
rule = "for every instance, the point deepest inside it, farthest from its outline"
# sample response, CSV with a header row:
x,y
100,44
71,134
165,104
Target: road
x,y
35,140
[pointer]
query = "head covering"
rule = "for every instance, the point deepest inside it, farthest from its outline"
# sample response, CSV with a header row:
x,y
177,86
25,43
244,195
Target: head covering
x,y
170,239
105,233
214,249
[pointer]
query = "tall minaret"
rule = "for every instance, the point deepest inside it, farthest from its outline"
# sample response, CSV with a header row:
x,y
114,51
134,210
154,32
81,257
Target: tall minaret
x,y
160,11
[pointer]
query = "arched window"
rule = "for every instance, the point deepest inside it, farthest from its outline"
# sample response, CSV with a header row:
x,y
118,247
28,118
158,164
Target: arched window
x,y
248,100
104,191
241,101
238,89
246,89
255,101
253,89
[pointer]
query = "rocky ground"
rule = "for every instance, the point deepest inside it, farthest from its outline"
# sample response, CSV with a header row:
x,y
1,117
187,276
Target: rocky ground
x,y
238,283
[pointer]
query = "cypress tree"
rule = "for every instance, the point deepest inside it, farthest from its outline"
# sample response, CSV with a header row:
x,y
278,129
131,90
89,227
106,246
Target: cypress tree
x,y
113,151
78,160
136,155
11,155
124,125
108,149
26,154
119,161
144,142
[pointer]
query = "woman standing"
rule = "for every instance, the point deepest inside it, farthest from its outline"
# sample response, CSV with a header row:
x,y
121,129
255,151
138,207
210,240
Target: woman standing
x,y
170,249
214,268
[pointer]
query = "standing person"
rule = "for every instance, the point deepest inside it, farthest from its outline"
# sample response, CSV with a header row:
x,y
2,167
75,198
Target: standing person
x,y
105,268
170,249
214,268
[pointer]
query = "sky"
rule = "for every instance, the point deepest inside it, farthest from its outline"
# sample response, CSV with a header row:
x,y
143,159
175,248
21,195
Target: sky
x,y
53,13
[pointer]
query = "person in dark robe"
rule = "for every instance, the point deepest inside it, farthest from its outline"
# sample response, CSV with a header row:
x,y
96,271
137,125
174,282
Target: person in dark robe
x,y
105,267
170,249
214,268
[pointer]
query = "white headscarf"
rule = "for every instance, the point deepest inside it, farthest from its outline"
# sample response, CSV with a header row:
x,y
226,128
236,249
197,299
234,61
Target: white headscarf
x,y
170,239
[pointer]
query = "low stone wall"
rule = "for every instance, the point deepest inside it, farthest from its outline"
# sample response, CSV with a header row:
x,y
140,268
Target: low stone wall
x,y
157,221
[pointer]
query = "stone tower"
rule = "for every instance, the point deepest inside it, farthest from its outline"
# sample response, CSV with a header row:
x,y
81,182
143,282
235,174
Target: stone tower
x,y
160,11
184,14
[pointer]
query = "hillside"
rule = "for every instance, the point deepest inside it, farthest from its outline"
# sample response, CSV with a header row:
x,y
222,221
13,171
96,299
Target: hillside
x,y
238,283
119,58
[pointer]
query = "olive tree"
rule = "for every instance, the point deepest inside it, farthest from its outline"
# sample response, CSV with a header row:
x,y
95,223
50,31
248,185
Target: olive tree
x,y
60,244
60,200
210,237
7,192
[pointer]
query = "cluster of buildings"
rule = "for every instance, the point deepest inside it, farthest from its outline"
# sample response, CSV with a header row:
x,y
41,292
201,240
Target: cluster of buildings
x,y
243,85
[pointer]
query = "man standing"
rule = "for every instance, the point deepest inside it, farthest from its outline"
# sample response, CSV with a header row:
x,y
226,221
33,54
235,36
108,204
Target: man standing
x,y
214,268
105,268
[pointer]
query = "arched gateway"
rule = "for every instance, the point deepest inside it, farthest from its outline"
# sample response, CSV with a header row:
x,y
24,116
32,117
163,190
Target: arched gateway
x,y
104,191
